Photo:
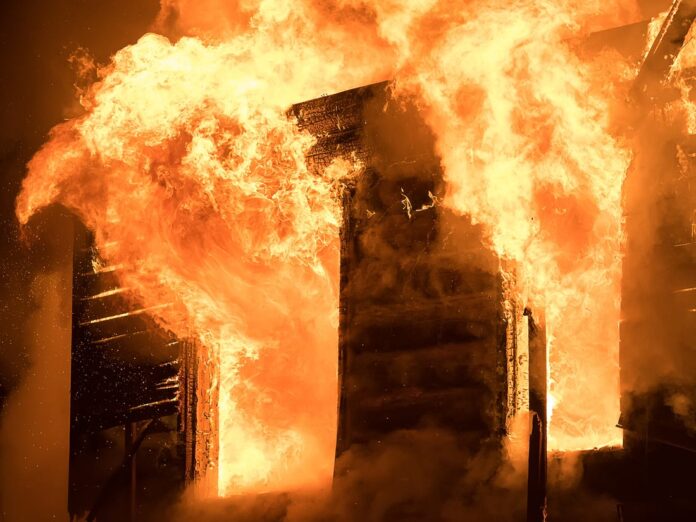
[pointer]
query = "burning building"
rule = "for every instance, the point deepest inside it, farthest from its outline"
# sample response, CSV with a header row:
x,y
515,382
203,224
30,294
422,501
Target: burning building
x,y
429,334
266,298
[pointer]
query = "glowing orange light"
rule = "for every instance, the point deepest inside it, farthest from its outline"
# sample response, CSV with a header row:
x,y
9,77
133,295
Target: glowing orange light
x,y
185,158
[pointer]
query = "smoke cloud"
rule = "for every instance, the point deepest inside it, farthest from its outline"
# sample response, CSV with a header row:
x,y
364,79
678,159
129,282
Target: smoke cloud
x,y
35,422
409,475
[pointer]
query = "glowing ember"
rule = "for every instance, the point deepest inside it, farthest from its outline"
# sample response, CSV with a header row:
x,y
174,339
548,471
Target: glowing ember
x,y
185,162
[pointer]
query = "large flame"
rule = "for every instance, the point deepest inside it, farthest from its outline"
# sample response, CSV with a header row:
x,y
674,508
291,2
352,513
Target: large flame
x,y
194,180
524,134
200,190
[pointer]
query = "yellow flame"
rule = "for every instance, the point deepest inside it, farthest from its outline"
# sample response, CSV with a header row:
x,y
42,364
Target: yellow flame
x,y
185,164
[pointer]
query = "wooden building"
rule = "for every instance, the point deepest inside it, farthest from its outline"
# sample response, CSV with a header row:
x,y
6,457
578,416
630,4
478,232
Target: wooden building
x,y
429,337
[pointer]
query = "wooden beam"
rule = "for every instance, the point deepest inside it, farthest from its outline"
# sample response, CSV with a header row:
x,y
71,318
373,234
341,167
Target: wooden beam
x,y
649,84
536,479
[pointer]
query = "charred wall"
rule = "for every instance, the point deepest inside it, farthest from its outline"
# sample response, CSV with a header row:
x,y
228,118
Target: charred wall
x,y
423,331
421,325
658,339
125,397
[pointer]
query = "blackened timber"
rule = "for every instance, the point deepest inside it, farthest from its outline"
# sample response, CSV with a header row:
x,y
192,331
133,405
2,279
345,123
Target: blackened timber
x,y
381,328
537,468
125,368
657,64
420,294
337,122
346,312
455,408
438,366
188,410
93,282
143,345
199,418
103,304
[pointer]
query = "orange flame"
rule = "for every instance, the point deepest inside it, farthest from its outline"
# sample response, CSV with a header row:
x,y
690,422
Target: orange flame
x,y
201,191
192,177
524,132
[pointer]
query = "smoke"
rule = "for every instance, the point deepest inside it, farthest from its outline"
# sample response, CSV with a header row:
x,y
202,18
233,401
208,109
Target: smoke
x,y
37,92
35,424
658,361
407,475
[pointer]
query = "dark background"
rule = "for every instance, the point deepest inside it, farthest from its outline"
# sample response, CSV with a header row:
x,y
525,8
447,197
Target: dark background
x,y
37,92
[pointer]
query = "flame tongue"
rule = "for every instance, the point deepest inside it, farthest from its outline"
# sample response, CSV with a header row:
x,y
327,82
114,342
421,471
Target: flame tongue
x,y
523,129
202,184
185,159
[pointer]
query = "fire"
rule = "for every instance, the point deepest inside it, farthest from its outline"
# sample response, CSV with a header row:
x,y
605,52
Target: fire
x,y
200,189
187,168
526,141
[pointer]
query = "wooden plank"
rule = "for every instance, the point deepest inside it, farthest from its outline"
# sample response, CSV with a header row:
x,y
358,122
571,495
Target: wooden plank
x,y
420,301
417,333
664,50
538,382
466,307
93,283
458,408
432,367
199,414
146,346
121,323
111,302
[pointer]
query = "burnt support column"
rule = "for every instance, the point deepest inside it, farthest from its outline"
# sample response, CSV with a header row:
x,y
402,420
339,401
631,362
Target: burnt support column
x,y
199,417
649,83
536,481
35,430
130,435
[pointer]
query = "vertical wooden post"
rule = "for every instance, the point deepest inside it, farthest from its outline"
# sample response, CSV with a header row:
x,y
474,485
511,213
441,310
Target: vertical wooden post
x,y
187,418
347,254
199,417
516,346
130,435
536,478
